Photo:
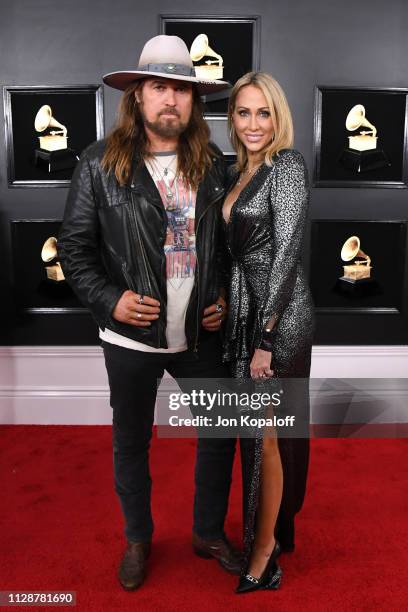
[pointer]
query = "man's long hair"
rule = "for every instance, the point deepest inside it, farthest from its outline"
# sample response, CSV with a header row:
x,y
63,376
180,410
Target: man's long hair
x,y
128,141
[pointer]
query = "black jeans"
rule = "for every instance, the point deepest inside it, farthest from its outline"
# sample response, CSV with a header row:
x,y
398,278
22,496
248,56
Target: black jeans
x,y
133,379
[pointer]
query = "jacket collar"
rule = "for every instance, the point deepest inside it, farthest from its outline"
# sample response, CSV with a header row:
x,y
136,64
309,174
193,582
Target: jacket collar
x,y
209,190
143,183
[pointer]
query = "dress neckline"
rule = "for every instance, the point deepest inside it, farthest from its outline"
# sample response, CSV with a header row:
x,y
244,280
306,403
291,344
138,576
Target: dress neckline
x,y
243,190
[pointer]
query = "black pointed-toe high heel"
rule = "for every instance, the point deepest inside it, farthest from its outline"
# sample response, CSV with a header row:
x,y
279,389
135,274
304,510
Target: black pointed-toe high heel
x,y
270,579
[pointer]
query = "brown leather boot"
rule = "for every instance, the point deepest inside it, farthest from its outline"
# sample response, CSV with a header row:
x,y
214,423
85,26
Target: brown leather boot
x,y
132,570
222,550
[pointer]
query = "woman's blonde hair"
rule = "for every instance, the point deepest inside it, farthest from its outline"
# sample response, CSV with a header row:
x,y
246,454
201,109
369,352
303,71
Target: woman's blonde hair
x,y
280,115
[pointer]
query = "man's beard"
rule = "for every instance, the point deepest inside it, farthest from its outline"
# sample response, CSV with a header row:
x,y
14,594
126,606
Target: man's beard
x,y
167,129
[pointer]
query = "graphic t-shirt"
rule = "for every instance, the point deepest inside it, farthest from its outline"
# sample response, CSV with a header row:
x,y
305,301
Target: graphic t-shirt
x,y
180,250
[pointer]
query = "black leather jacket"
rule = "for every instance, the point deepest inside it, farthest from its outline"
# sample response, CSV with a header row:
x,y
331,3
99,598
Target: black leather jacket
x,y
112,239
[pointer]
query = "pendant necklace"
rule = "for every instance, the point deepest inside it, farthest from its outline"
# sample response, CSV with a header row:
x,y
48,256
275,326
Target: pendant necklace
x,y
169,194
241,178
167,168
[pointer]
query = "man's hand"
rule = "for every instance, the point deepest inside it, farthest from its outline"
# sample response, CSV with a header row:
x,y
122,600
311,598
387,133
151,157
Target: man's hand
x,y
260,365
213,316
136,309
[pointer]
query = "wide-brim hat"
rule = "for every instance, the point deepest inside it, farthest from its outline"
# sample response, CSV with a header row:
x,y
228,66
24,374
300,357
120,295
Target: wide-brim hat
x,y
166,57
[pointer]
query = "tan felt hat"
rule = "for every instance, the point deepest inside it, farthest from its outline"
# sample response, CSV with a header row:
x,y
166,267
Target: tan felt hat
x,y
166,57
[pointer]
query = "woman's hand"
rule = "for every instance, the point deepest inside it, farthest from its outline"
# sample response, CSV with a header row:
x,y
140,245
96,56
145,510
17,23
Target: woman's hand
x,y
260,365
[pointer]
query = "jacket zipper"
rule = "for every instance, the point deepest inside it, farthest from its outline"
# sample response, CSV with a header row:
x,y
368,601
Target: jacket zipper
x,y
128,277
125,272
195,350
135,230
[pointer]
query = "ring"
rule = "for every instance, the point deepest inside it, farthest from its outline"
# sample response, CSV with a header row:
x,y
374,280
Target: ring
x,y
141,299
219,308
139,316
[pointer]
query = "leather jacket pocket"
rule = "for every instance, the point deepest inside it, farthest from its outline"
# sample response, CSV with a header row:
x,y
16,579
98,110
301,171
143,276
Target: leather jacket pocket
x,y
116,261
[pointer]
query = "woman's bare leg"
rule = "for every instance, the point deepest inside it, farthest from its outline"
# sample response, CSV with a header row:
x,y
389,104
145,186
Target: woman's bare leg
x,y
270,496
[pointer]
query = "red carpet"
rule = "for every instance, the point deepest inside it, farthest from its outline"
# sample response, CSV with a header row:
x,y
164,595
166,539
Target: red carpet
x,y
61,527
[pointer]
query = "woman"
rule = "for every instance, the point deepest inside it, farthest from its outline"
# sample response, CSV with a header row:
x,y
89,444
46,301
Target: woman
x,y
270,322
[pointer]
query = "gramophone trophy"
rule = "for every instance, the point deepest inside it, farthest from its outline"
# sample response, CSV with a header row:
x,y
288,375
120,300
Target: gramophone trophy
x,y
356,281
361,267
210,69
362,153
54,153
49,255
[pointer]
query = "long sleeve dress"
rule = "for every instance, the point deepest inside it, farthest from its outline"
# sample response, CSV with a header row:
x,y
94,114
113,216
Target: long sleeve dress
x,y
264,237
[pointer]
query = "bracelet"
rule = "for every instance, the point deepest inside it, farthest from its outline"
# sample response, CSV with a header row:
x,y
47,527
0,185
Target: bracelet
x,y
267,339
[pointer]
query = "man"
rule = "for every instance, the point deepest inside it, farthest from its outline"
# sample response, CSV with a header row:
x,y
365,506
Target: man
x,y
139,246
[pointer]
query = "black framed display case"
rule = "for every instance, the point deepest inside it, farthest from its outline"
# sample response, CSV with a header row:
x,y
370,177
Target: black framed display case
x,y
220,136
361,137
235,39
358,266
47,128
37,291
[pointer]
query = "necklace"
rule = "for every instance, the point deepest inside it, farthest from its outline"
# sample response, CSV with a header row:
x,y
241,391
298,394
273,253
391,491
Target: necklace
x,y
167,168
169,194
249,172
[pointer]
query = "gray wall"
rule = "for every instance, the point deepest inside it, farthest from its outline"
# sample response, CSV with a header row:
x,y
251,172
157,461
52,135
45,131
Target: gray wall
x,y
302,44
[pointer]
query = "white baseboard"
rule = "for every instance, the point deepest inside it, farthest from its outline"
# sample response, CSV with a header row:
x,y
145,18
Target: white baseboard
x,y
68,385
53,385
360,361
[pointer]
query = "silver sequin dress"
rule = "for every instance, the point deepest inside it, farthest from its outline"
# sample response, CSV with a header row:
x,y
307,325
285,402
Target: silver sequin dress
x,y
264,237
